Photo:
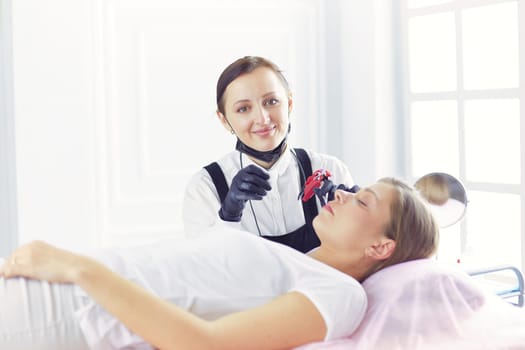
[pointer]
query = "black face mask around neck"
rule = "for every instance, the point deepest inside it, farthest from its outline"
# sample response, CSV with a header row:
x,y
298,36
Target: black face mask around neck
x,y
267,156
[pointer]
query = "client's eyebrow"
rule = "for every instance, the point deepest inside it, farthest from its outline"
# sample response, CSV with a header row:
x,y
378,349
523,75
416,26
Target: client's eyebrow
x,y
368,189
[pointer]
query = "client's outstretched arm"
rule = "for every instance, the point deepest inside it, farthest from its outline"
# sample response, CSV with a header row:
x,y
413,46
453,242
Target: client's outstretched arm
x,y
288,321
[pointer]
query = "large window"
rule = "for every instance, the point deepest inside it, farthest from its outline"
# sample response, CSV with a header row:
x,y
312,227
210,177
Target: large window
x,y
464,102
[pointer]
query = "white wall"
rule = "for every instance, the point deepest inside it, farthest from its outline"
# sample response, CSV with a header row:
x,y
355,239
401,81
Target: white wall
x,y
370,128
362,121
103,90
8,215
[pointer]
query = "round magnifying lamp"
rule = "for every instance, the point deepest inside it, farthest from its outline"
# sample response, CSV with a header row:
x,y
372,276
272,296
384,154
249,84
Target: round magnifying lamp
x,y
446,196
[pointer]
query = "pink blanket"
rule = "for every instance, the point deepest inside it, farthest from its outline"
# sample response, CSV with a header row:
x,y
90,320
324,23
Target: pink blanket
x,y
425,305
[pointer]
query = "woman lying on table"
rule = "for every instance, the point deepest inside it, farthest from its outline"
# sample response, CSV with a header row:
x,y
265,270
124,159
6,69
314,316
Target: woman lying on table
x,y
233,290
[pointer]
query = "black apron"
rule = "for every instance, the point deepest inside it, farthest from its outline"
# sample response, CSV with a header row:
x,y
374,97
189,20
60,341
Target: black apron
x,y
304,238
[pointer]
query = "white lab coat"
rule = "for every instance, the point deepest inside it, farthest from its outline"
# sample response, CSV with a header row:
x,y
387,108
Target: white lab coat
x,y
278,213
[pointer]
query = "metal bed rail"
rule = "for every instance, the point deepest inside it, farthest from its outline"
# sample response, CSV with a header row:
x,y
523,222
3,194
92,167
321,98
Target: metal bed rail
x,y
514,291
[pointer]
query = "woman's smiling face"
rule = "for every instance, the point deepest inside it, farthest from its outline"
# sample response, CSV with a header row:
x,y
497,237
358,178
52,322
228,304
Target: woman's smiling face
x,y
256,108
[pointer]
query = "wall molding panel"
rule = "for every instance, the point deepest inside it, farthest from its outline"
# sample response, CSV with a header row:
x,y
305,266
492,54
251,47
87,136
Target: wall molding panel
x,y
113,104
156,65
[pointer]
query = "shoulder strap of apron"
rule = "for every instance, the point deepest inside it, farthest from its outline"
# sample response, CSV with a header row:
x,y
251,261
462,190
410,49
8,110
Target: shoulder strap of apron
x,y
217,176
309,207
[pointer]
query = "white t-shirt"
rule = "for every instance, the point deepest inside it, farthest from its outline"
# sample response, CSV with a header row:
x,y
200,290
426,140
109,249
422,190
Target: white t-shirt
x,y
222,273
278,213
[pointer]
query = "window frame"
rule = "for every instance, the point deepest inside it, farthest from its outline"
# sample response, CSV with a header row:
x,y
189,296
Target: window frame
x,y
460,95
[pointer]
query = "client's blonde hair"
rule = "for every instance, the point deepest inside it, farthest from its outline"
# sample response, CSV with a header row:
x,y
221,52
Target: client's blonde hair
x,y
412,227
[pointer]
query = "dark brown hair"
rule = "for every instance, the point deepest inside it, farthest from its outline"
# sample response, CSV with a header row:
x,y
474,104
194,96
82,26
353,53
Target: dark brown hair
x,y
244,65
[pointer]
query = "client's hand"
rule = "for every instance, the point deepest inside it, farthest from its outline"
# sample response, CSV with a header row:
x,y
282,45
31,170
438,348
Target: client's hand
x,y
250,183
39,260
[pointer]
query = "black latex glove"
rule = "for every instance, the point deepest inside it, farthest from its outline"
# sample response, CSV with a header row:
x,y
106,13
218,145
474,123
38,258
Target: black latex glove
x,y
352,189
250,183
328,189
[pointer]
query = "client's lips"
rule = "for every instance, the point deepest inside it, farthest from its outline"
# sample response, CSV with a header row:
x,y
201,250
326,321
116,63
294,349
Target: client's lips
x,y
329,209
